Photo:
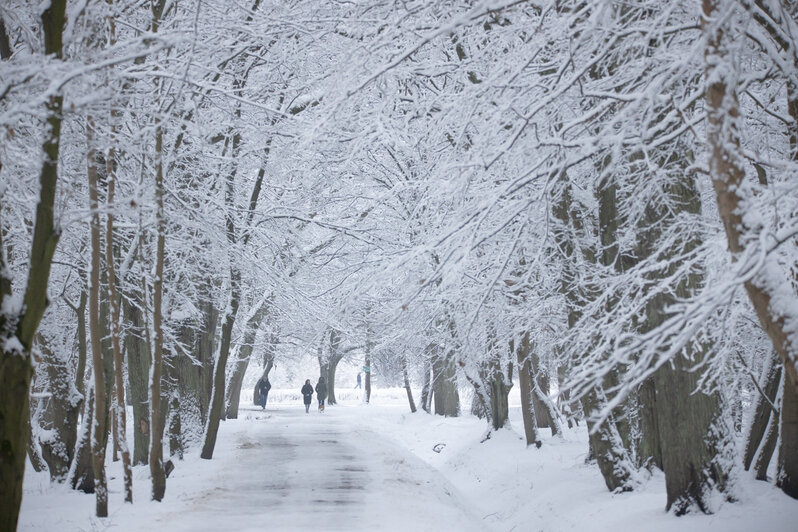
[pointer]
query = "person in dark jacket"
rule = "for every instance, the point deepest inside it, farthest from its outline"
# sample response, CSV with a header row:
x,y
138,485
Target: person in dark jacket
x,y
263,389
358,381
321,393
307,394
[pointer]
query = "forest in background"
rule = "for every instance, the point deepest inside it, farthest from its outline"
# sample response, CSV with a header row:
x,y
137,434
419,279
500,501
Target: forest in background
x,y
592,199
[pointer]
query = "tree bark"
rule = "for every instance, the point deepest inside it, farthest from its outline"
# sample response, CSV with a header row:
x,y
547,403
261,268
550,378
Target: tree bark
x,y
17,329
5,43
650,445
120,417
63,409
156,433
81,476
426,387
231,310
100,406
80,314
208,345
771,437
787,478
407,386
242,360
217,394
138,371
606,444
173,420
335,357
196,375
500,405
689,443
479,402
525,382
545,412
444,385
770,293
367,364
763,411
769,284
34,447
691,425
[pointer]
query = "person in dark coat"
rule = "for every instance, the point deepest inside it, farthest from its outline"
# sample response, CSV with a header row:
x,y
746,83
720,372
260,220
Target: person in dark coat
x,y
263,389
321,393
358,381
307,394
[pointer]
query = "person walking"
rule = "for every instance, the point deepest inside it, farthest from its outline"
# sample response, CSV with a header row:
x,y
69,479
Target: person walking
x,y
358,381
263,389
321,393
307,394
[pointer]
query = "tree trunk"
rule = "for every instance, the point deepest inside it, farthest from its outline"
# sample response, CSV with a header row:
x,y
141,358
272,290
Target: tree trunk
x,y
500,406
63,409
34,446
172,400
208,345
540,390
426,387
80,313
650,445
691,425
120,417
525,381
689,441
570,410
114,433
407,386
196,374
138,370
334,358
444,385
217,394
727,170
771,438
197,380
242,360
479,403
156,432
5,44
606,444
367,367
81,475
787,478
17,330
96,334
763,411
333,365
548,409
545,412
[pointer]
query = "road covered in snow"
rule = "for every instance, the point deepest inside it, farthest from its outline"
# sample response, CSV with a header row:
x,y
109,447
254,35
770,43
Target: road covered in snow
x,y
282,469
295,471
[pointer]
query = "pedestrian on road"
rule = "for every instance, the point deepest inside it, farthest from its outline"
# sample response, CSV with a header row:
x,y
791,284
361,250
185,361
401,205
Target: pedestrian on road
x,y
358,381
307,394
263,389
321,393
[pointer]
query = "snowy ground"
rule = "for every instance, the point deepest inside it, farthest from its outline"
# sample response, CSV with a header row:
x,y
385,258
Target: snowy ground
x,y
359,467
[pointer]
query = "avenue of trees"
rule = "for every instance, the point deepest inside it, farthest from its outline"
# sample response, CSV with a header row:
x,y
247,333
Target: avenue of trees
x,y
593,200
